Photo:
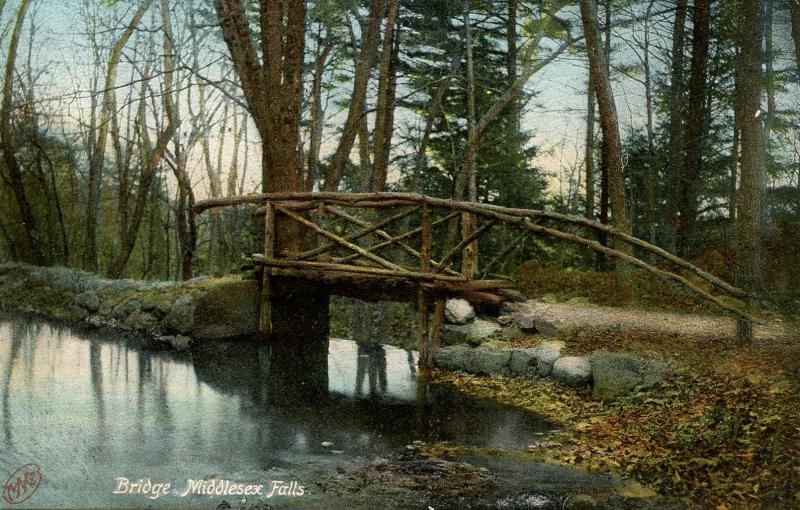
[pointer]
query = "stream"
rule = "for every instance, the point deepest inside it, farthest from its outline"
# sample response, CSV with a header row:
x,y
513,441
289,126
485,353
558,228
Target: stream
x,y
105,423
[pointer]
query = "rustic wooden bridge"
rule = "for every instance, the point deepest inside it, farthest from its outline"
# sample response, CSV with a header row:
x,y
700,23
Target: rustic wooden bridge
x,y
410,247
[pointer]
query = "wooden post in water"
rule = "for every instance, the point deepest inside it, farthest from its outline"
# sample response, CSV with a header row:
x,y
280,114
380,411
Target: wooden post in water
x,y
265,316
423,327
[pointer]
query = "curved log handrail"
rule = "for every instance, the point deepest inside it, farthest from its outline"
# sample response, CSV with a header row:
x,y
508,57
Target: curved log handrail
x,y
511,216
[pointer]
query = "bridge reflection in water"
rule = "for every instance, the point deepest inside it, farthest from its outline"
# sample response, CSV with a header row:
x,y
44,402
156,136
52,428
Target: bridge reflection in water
x,y
362,398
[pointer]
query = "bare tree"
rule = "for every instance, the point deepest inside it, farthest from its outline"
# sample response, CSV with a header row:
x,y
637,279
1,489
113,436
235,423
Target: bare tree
x,y
9,146
99,145
149,156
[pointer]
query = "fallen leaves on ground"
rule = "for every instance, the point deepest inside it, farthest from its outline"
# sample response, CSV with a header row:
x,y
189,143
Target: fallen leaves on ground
x,y
722,432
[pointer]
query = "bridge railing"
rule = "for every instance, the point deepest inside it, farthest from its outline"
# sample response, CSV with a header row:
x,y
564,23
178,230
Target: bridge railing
x,y
432,242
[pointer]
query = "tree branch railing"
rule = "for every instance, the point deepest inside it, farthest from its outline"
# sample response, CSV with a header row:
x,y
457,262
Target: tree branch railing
x,y
365,259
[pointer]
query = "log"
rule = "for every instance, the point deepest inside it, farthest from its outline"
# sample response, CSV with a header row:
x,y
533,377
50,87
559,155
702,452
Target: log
x,y
423,338
406,235
425,250
406,248
436,329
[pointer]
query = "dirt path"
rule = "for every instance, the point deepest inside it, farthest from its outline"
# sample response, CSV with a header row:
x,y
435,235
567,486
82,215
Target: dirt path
x,y
571,318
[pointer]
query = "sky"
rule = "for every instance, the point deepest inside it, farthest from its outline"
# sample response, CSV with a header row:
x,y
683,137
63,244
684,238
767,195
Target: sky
x,y
555,116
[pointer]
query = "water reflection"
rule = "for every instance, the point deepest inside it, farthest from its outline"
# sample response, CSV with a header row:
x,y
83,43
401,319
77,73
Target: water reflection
x,y
371,365
90,409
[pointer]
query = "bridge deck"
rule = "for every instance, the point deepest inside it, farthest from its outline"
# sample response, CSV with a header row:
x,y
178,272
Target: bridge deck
x,y
374,284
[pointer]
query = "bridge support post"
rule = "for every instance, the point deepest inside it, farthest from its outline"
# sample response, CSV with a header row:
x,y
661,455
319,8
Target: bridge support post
x,y
427,333
265,312
469,256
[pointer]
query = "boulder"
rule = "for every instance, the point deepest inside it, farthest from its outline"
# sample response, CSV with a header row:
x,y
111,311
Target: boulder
x,y
616,375
522,362
473,333
88,301
546,354
180,317
475,360
141,321
231,309
573,370
480,329
489,361
456,357
126,308
458,311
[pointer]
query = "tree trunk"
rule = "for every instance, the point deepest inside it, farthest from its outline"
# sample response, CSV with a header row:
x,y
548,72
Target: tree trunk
x,y
734,162
695,117
213,172
369,47
272,91
608,116
387,86
673,223
317,113
99,145
651,184
794,11
13,169
465,182
589,149
769,55
421,158
749,206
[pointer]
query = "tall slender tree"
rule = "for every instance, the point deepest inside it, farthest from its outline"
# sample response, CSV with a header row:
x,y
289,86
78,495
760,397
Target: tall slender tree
x,y
674,162
749,205
696,113
609,123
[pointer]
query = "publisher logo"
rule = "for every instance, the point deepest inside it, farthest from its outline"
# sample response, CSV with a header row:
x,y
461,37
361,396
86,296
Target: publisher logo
x,y
22,484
